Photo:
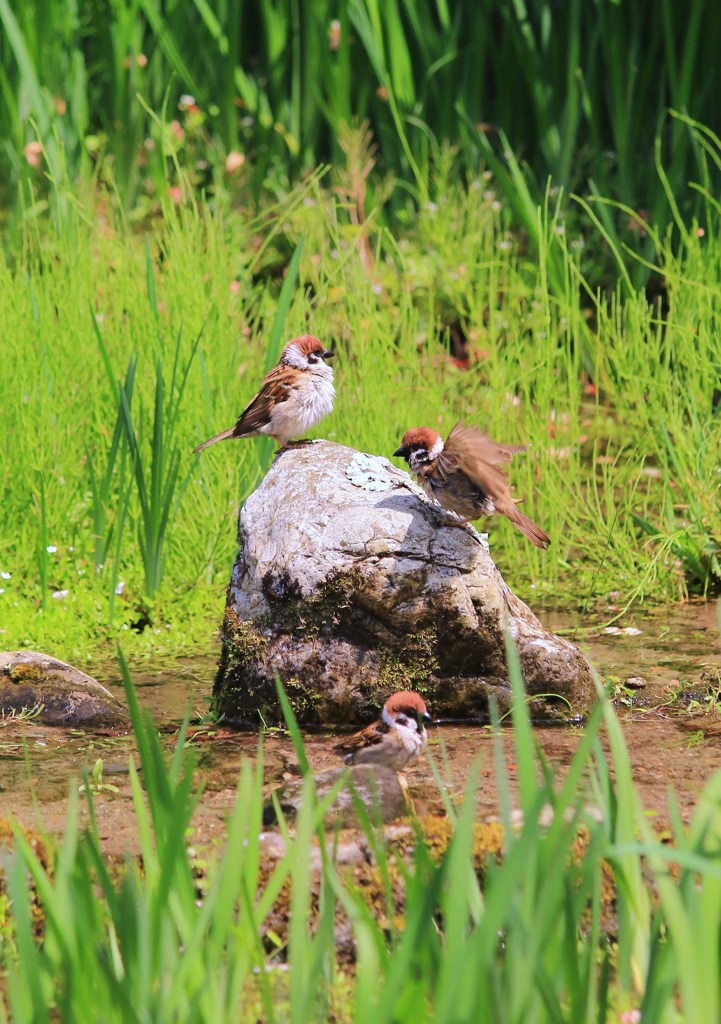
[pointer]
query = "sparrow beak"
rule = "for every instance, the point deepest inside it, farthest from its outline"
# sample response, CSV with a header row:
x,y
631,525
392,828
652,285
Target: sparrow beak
x,y
427,718
400,453
328,354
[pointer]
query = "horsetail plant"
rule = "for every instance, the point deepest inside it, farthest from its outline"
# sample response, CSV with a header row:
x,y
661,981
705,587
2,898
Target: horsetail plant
x,y
158,482
102,477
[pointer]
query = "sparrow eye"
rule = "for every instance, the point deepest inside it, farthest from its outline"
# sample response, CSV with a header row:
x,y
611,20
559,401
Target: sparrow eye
x,y
312,358
401,720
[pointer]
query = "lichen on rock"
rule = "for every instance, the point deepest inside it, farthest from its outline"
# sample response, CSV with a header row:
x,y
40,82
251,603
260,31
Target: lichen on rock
x,y
348,586
57,693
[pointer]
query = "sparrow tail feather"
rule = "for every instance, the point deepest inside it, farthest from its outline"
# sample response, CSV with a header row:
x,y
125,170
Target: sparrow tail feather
x,y
211,440
532,530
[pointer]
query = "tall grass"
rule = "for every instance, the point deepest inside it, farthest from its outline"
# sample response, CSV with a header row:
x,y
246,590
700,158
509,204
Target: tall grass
x,y
452,319
579,92
583,918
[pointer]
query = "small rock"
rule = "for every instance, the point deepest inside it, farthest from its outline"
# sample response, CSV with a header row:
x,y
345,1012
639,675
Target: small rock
x,y
377,787
635,683
62,694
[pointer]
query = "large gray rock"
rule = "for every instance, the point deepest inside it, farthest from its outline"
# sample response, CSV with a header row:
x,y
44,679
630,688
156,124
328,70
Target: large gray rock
x,y
58,693
348,587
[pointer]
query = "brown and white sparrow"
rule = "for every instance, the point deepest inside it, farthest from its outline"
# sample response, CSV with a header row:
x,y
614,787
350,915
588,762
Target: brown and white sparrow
x,y
395,740
293,397
463,475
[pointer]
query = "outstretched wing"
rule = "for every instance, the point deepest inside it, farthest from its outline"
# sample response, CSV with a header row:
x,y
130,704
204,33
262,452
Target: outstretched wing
x,y
475,454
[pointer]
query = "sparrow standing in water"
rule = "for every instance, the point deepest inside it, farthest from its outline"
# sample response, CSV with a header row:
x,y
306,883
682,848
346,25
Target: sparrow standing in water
x,y
463,475
293,397
395,740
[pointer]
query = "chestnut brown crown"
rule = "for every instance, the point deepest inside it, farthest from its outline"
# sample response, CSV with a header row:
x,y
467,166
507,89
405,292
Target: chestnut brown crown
x,y
306,345
407,702
417,438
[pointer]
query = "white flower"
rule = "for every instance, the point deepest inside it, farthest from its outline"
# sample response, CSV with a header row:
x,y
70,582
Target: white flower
x,y
5,575
120,587
60,595
51,549
2,590
186,100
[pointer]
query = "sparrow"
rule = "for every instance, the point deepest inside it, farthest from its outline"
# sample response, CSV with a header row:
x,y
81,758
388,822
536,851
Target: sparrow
x,y
464,475
293,397
395,740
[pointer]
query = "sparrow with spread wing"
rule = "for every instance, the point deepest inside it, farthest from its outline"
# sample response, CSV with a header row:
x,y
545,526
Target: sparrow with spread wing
x,y
395,740
293,397
464,475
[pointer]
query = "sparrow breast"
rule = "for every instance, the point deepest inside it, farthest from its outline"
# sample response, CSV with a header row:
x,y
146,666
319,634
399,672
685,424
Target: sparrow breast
x,y
309,402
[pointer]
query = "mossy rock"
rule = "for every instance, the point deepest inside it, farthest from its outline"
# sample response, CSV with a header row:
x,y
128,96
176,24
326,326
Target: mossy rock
x,y
55,693
347,587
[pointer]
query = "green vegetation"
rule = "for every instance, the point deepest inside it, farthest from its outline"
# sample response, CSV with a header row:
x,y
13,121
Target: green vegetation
x,y
502,213
121,354
443,254
584,918
579,91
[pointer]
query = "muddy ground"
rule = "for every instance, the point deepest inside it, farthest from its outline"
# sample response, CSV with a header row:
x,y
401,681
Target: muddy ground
x,y
672,726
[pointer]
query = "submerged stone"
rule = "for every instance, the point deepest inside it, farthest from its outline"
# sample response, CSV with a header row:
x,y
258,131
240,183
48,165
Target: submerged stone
x,y
377,788
349,585
54,692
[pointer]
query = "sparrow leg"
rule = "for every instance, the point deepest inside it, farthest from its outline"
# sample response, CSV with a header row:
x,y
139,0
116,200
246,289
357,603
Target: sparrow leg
x,y
300,443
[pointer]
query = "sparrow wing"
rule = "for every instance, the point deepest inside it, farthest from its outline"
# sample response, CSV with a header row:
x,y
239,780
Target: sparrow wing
x,y
275,388
475,454
371,736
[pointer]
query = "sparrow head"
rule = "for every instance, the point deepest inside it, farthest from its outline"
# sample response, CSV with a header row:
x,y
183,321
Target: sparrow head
x,y
406,709
420,445
306,353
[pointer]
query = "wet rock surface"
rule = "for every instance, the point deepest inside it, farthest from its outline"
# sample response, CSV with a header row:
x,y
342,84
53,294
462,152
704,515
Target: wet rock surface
x,y
56,693
348,585
377,788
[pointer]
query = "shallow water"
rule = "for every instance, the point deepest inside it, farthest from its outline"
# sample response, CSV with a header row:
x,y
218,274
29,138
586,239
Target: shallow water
x,y
667,739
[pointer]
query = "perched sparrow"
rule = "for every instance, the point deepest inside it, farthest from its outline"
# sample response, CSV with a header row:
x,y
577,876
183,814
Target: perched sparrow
x,y
464,475
293,397
395,740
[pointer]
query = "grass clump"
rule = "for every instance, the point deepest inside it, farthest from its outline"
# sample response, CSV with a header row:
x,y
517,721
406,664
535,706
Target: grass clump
x,y
570,909
247,98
